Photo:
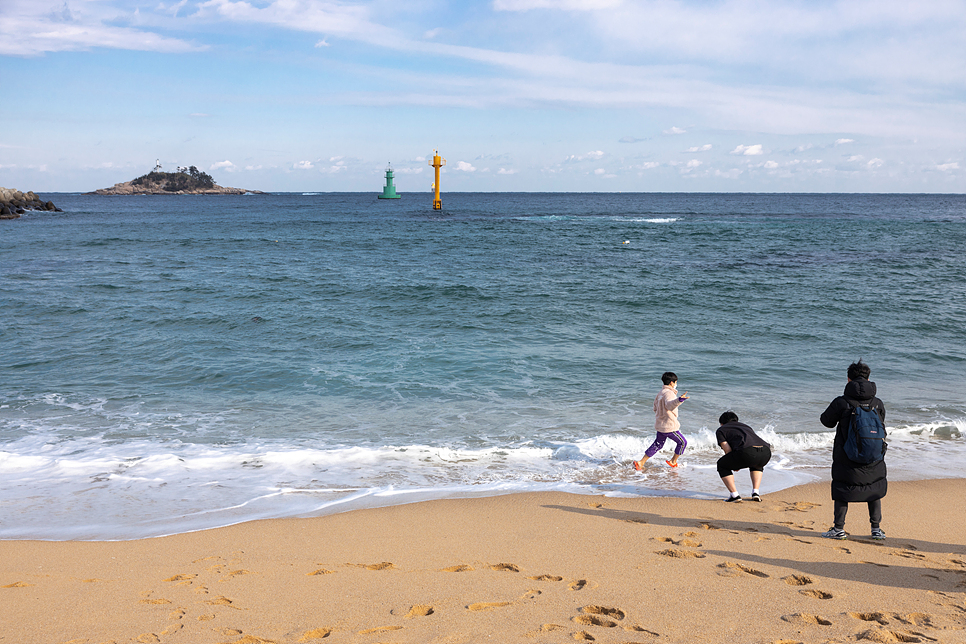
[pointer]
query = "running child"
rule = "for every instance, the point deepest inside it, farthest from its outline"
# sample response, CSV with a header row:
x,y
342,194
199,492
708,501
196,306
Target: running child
x,y
666,421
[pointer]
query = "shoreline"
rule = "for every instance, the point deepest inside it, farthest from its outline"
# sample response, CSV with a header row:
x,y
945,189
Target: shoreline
x,y
541,566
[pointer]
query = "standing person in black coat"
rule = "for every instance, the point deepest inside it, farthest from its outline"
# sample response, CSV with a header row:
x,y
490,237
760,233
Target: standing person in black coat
x,y
855,482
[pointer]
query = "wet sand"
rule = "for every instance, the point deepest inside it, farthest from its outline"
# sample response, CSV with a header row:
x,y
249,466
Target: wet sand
x,y
545,567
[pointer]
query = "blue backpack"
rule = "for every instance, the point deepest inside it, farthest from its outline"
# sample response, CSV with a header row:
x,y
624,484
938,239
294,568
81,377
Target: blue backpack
x,y
865,442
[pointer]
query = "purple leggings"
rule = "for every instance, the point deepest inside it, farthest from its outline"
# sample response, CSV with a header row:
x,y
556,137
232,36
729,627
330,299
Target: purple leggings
x,y
658,443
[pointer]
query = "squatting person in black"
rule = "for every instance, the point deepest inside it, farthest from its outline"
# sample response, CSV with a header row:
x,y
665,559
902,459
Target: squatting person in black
x,y
742,448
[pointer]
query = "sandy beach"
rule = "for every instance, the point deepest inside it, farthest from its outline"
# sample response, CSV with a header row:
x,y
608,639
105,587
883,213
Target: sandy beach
x,y
525,567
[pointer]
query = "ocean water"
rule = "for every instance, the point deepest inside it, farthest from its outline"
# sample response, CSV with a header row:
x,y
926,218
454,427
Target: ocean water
x,y
177,363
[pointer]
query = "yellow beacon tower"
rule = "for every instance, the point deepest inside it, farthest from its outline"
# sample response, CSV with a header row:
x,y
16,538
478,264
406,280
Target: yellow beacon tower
x,y
437,162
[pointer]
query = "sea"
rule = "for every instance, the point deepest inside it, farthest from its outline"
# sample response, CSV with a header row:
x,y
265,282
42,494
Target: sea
x,y
178,363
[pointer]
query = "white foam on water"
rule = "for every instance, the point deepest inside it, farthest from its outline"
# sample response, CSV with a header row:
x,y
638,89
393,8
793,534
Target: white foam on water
x,y
92,487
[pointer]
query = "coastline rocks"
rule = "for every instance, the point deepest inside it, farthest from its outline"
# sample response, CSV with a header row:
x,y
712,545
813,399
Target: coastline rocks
x,y
14,203
128,188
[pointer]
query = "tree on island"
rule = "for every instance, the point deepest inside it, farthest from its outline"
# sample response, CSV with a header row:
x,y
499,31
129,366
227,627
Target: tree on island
x,y
184,179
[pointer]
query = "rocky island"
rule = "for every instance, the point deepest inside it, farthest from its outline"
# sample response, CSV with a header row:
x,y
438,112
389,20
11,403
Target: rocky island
x,y
186,181
14,203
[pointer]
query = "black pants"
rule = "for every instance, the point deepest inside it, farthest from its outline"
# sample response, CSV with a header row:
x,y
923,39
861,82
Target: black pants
x,y
842,508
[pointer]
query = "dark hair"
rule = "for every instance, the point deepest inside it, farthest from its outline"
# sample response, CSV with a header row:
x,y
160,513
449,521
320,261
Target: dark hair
x,y
668,377
859,370
727,417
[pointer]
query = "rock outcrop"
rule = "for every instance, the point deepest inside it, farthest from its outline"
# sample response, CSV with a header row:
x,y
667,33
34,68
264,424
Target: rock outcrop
x,y
128,188
186,181
14,203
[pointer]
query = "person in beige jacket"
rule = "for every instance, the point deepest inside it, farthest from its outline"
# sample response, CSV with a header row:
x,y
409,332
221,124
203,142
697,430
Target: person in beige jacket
x,y
666,422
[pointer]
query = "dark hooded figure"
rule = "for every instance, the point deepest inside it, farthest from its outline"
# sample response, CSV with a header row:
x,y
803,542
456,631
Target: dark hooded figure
x,y
855,482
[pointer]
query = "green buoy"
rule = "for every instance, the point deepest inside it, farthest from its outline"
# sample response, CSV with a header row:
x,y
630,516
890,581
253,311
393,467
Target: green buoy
x,y
389,192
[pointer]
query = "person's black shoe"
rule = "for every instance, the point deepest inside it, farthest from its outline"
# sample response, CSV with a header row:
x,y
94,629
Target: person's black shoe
x,y
733,499
756,497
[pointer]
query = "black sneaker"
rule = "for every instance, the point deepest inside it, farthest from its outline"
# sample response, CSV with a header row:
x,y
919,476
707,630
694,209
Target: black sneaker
x,y
733,499
756,497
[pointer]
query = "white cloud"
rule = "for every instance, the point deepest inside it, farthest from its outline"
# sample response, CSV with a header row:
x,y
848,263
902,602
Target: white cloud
x,y
432,33
675,130
463,166
408,171
770,165
594,155
227,165
505,171
844,141
702,148
748,150
946,167
855,157
566,5
599,171
322,43
649,165
875,163
802,148
693,163
630,139
303,165
30,28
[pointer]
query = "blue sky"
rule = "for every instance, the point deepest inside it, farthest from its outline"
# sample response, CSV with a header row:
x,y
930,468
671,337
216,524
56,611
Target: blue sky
x,y
517,95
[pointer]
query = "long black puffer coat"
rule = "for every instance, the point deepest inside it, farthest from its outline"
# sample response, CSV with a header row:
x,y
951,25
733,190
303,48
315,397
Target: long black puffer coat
x,y
854,482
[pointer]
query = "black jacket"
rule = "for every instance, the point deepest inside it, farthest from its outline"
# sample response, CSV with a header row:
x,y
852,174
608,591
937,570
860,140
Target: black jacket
x,y
854,482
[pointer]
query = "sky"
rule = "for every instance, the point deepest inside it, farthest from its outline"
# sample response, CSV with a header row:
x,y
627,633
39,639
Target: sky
x,y
517,95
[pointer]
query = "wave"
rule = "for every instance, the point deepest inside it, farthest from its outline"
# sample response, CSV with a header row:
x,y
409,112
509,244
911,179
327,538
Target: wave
x,y
98,487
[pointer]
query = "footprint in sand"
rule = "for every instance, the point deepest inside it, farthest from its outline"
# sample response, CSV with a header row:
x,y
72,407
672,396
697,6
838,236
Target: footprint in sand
x,y
546,578
458,568
583,636
546,628
917,619
171,630
531,594
148,638
578,585
884,635
730,567
641,629
221,601
420,610
817,594
870,617
613,613
315,634
236,573
805,618
18,584
487,605
797,580
800,506
681,554
320,571
380,629
593,620
505,567
183,577
382,565
155,601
